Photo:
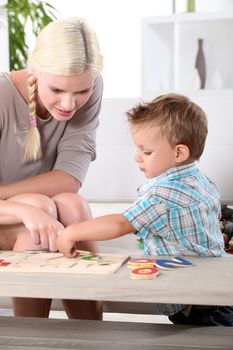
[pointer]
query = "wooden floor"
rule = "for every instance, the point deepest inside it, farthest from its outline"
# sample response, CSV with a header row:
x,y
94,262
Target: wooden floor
x,y
50,334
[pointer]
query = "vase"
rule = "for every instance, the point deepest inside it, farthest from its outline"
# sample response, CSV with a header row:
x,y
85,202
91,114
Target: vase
x,y
200,64
190,6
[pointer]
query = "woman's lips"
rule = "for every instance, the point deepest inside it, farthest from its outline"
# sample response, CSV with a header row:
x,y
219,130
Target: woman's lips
x,y
63,112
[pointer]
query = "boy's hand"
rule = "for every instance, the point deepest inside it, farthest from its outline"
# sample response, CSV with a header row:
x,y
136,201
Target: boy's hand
x,y
65,245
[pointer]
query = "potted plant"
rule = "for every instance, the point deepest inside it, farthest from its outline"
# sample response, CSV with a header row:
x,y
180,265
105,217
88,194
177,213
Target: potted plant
x,y
37,13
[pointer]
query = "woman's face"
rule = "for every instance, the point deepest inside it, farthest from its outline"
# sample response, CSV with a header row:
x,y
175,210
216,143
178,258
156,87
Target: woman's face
x,y
61,96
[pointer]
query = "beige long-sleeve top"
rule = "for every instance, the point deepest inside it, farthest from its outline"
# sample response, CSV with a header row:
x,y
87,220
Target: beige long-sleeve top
x,y
67,146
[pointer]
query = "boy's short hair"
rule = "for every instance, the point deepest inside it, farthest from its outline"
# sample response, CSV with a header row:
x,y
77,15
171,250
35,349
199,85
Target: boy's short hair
x,y
182,121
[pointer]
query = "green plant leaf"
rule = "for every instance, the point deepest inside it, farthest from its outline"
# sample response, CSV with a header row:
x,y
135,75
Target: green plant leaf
x,y
39,13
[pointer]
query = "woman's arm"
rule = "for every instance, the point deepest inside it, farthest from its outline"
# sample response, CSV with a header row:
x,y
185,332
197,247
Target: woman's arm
x,y
49,184
98,229
42,227
9,213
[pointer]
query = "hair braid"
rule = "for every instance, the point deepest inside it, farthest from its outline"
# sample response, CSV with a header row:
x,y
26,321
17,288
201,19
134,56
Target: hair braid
x,y
32,145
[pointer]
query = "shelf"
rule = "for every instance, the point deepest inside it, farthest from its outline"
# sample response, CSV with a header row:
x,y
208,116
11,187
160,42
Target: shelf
x,y
189,17
150,94
169,48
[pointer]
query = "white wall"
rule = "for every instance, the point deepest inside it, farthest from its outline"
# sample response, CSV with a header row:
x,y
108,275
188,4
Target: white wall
x,y
113,176
4,41
217,159
118,26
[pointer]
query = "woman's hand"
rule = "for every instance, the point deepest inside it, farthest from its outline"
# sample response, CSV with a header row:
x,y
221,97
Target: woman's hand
x,y
43,228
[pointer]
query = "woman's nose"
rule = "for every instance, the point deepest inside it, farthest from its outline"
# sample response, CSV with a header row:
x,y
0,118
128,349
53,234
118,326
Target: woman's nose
x,y
68,103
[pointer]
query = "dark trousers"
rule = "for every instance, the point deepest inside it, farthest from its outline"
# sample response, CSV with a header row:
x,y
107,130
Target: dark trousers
x,y
214,316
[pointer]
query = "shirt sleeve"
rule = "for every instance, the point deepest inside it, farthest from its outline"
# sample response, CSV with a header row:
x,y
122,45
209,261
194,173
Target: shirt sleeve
x,y
147,215
77,147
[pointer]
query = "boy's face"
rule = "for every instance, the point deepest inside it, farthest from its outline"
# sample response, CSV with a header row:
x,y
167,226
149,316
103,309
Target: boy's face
x,y
154,154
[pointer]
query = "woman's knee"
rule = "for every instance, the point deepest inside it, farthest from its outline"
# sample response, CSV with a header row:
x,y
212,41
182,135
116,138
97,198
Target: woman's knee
x,y
72,208
38,200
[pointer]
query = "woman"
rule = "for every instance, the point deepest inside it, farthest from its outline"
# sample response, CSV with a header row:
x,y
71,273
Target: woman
x,y
48,120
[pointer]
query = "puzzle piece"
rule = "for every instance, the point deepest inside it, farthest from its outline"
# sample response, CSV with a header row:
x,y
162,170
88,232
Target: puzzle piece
x,y
4,263
144,273
181,262
168,264
133,263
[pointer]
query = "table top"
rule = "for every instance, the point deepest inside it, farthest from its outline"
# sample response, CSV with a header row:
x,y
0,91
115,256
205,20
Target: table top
x,y
209,281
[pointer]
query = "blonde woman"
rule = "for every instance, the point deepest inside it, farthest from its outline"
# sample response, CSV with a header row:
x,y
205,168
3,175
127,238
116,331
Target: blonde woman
x,y
48,120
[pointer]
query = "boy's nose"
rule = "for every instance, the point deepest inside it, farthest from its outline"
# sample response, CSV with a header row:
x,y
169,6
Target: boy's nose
x,y
137,158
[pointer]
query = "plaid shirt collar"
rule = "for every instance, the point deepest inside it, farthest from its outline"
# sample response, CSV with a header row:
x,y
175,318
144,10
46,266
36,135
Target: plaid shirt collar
x,y
171,174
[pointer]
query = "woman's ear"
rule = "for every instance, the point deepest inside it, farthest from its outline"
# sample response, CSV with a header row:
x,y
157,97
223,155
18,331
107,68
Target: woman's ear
x,y
33,70
182,153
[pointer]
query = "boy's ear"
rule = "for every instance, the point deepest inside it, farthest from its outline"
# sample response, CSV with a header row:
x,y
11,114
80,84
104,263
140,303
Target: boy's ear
x,y
181,153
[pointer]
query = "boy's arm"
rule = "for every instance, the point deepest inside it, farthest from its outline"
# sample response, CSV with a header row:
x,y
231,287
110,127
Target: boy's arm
x,y
98,229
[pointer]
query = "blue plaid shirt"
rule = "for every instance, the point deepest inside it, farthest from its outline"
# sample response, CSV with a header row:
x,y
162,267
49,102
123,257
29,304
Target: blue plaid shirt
x,y
177,213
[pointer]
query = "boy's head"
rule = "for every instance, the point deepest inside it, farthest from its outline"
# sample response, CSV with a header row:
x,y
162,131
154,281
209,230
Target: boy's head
x,y
169,131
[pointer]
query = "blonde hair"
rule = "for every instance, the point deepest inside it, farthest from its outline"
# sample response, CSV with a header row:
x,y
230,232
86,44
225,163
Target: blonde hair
x,y
64,47
181,120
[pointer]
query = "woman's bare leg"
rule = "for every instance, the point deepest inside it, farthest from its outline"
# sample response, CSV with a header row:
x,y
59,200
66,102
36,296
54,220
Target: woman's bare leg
x,y
29,307
73,208
21,240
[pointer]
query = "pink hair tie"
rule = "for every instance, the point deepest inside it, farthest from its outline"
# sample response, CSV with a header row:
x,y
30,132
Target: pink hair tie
x,y
33,122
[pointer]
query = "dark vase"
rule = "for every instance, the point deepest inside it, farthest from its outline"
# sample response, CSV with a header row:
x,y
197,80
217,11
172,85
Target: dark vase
x,y
200,63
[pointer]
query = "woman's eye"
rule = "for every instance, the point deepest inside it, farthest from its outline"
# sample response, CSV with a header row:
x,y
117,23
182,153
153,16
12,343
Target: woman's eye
x,y
147,153
83,92
56,91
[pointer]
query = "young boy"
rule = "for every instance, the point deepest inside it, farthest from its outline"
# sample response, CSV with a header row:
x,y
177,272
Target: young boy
x,y
177,211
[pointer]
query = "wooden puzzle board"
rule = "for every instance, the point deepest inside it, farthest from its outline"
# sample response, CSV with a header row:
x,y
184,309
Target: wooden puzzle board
x,y
84,263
